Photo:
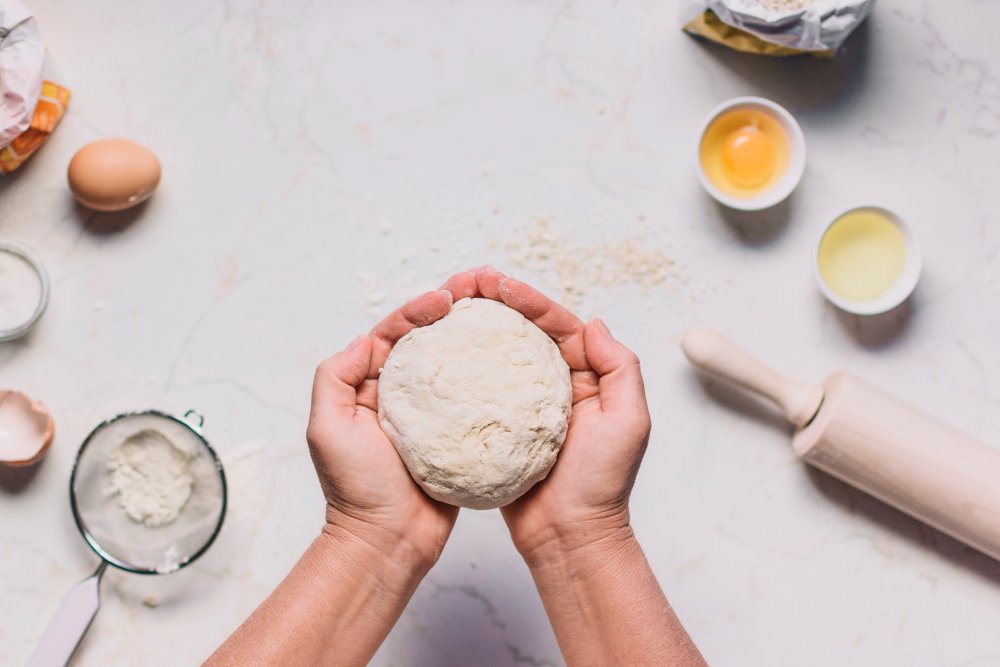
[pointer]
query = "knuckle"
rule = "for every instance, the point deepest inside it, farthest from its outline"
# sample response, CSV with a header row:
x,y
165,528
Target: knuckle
x,y
326,368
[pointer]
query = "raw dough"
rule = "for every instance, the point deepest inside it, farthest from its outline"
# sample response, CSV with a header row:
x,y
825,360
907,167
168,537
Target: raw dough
x,y
477,404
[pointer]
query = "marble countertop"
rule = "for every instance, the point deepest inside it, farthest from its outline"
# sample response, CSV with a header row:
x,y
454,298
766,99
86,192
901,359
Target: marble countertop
x,y
324,160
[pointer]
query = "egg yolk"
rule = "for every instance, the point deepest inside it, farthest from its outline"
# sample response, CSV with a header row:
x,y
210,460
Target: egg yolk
x,y
748,156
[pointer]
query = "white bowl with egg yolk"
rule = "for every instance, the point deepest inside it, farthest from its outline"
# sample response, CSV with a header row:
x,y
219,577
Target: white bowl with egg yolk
x,y
780,160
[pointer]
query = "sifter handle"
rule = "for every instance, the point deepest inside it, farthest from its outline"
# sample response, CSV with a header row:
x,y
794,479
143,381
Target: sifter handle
x,y
713,353
69,625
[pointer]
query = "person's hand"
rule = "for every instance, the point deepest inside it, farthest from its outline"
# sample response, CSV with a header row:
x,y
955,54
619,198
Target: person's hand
x,y
584,499
369,492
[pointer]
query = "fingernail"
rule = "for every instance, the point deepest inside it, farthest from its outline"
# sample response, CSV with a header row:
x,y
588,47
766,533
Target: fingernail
x,y
503,287
435,291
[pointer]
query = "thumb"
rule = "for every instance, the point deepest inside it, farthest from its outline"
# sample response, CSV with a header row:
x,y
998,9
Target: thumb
x,y
617,367
337,379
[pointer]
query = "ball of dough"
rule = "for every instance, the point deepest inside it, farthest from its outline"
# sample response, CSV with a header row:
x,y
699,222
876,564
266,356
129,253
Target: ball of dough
x,y
477,404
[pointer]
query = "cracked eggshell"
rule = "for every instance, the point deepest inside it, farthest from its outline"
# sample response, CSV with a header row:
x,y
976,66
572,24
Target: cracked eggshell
x,y
26,429
477,404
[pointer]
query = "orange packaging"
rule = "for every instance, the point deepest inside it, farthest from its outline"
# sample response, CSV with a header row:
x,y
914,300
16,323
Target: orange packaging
x,y
48,112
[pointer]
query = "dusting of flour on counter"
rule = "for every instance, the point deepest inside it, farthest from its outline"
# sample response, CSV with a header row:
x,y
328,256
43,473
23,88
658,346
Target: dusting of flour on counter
x,y
151,477
372,294
578,266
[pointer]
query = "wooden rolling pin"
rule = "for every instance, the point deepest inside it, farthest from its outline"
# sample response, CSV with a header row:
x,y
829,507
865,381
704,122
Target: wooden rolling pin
x,y
876,442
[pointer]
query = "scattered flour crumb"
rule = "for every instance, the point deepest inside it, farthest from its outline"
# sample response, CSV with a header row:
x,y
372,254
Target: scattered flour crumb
x,y
171,560
577,266
151,601
151,477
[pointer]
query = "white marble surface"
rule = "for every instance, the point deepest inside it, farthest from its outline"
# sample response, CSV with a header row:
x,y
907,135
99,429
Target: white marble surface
x,y
303,143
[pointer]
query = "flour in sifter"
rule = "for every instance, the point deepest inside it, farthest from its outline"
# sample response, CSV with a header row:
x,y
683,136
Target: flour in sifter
x,y
151,477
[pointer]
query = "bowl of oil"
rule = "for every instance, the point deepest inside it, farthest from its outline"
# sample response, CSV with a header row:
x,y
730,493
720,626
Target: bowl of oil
x,y
868,261
751,153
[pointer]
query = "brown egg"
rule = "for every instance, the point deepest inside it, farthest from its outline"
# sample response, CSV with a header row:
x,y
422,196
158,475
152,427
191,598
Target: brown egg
x,y
113,174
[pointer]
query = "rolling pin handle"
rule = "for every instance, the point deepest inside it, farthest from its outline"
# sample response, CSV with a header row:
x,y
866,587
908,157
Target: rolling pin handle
x,y
715,354
70,623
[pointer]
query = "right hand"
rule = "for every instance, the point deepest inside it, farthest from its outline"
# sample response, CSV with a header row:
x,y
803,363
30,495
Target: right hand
x,y
584,499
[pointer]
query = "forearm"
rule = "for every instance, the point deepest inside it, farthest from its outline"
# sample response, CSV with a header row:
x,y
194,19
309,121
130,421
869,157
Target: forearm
x,y
605,604
335,607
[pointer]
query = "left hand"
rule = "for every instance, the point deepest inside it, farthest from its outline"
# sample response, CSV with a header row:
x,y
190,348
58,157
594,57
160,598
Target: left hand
x,y
369,492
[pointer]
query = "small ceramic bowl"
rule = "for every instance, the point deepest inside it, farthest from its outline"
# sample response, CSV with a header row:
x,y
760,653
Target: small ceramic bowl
x,y
35,264
788,181
903,286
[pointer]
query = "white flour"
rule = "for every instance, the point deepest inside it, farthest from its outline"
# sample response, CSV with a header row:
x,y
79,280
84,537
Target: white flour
x,y
151,477
171,560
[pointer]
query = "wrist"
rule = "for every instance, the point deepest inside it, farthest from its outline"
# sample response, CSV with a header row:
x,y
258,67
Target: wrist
x,y
579,541
396,562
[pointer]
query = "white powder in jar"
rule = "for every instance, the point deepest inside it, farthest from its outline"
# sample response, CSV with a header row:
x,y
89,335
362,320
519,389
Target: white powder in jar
x,y
20,290
151,477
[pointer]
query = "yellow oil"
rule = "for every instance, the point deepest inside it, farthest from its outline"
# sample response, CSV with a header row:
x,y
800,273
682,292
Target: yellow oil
x,y
743,152
861,255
